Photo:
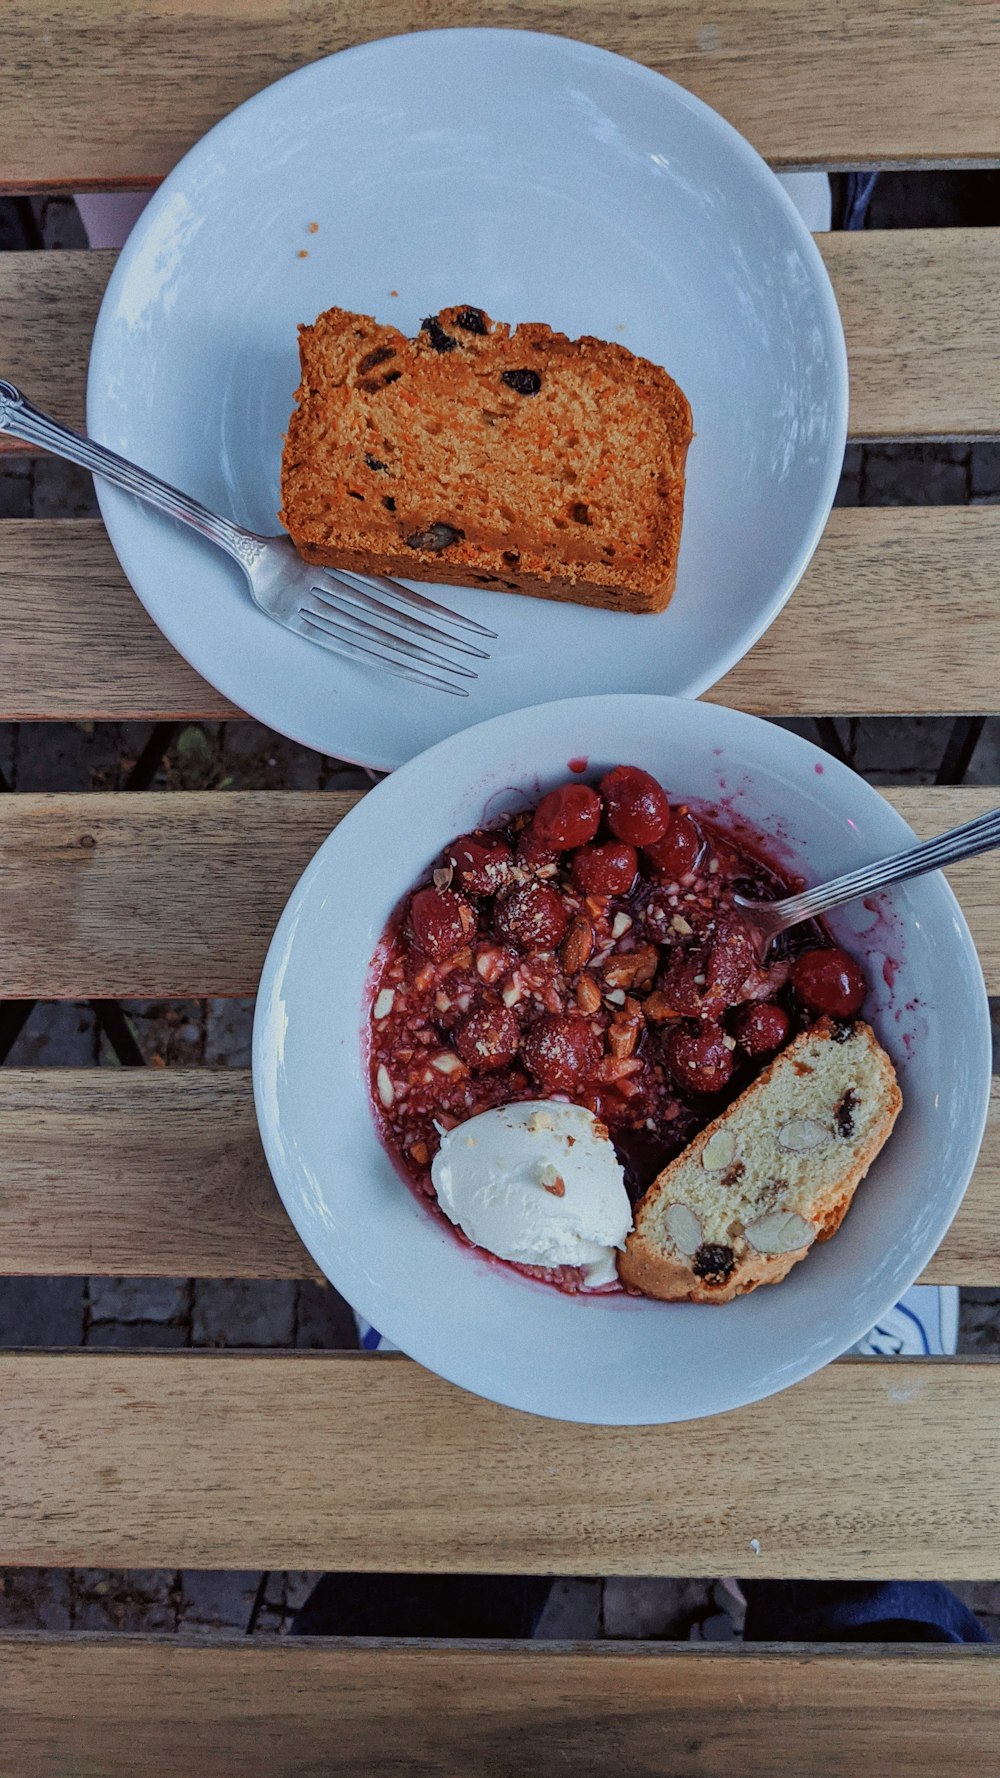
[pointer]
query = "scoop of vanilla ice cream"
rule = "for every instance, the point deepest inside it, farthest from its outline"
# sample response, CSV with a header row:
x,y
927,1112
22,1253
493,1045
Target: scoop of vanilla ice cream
x,y
538,1183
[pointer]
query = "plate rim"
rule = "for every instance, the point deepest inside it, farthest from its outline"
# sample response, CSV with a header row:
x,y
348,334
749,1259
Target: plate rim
x,y
115,506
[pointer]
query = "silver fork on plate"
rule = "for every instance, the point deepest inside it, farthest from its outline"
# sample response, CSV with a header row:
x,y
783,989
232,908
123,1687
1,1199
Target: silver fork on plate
x,y
767,918
368,618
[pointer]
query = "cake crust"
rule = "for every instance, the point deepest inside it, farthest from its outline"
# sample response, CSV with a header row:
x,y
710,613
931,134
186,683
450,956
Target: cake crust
x,y
521,461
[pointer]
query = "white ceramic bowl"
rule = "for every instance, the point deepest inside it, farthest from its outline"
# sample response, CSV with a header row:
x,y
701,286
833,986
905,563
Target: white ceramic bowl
x,y
613,1360
545,180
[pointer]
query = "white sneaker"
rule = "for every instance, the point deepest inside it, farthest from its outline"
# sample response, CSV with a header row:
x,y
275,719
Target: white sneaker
x,y
725,1624
923,1324
369,1338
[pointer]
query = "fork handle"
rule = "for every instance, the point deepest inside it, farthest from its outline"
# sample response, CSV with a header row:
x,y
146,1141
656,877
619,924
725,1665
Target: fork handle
x,y
967,841
22,420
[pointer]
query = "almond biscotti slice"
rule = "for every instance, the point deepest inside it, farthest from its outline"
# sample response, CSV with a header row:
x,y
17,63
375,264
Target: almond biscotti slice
x,y
772,1174
524,461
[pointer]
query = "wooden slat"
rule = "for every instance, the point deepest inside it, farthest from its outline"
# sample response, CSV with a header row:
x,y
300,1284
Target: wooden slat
x,y
140,1171
921,312
153,894
112,93
101,1706
161,1173
918,340
74,639
48,308
149,888
898,614
75,642
341,1460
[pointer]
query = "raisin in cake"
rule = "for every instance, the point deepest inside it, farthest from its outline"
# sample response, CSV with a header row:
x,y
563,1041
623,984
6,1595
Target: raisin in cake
x,y
772,1174
478,456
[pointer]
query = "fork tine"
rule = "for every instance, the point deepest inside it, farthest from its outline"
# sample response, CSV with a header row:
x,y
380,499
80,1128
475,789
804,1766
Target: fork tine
x,y
354,589
329,607
327,635
399,591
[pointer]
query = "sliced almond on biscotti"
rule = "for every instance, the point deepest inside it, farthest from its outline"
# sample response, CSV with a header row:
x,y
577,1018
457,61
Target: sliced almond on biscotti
x,y
771,1175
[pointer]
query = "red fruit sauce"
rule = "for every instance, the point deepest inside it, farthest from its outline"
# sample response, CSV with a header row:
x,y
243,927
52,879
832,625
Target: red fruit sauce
x,y
561,957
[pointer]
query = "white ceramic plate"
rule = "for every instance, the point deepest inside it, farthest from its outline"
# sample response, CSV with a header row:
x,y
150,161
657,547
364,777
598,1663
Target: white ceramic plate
x,y
613,1360
544,180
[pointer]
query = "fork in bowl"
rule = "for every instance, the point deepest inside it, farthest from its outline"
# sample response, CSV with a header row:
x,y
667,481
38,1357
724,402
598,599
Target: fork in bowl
x,y
767,919
367,618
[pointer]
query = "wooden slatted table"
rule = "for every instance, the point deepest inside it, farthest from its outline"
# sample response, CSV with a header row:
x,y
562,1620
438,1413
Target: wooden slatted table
x,y
868,1468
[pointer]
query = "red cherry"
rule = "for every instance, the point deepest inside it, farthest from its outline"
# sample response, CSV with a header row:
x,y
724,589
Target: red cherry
x,y
609,869
697,1057
710,973
761,1029
730,958
560,1052
677,853
481,862
829,981
488,1037
636,806
609,1107
533,916
683,982
532,849
439,922
568,816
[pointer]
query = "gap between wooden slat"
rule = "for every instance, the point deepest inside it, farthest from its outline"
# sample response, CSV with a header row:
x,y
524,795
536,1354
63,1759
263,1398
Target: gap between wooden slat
x,y
153,895
161,1174
154,1707
921,311
206,1460
114,94
898,614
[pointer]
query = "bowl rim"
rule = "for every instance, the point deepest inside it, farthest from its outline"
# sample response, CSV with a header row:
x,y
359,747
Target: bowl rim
x,y
977,1024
